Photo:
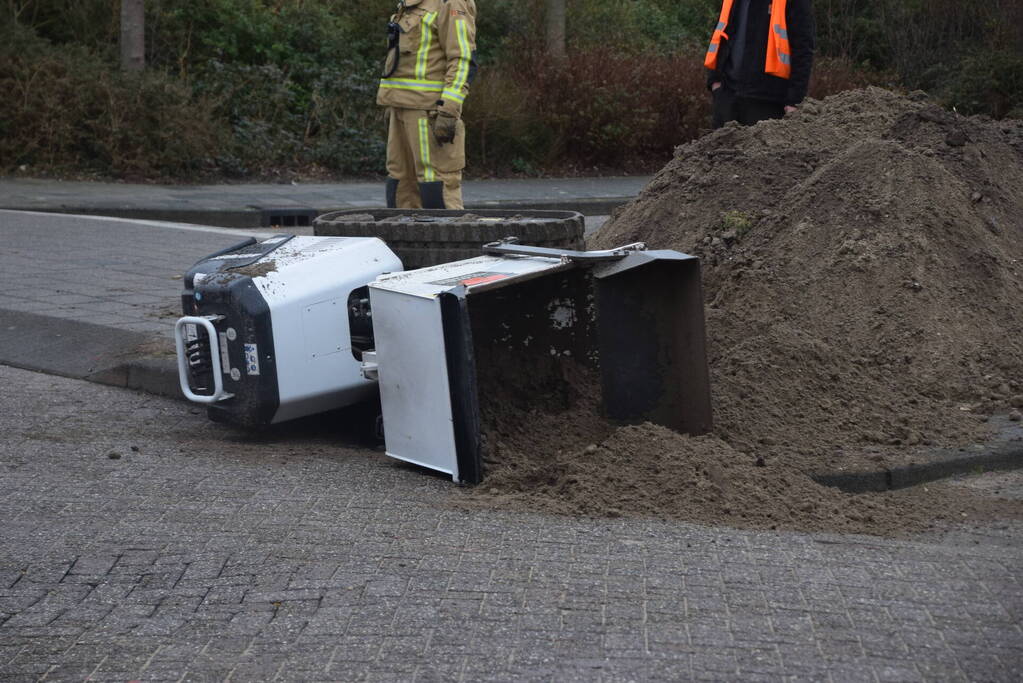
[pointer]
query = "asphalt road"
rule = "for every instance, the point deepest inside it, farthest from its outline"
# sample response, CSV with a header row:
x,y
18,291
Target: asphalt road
x,y
140,541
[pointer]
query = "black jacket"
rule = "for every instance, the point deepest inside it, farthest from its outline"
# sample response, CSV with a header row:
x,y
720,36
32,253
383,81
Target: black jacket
x,y
753,82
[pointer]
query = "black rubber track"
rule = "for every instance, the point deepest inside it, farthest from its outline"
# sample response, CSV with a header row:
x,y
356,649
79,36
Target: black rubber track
x,y
432,237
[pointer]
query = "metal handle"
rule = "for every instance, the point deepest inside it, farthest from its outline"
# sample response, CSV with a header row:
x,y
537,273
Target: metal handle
x,y
509,245
370,368
179,342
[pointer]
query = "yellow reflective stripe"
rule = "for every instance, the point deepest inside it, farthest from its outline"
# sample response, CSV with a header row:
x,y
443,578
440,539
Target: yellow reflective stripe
x,y
424,151
412,84
425,39
449,94
464,57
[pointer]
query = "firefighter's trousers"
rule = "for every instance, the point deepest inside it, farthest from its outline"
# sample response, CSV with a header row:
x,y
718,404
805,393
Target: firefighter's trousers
x,y
421,172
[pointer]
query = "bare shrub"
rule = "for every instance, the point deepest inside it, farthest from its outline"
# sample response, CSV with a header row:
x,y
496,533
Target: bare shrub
x,y
833,75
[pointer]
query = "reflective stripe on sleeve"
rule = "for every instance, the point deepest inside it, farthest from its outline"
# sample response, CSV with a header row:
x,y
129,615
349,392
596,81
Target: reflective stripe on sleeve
x,y
454,95
454,91
781,32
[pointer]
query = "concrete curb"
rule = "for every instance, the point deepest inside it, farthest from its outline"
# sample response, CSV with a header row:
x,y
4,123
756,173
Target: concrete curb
x,y
1005,452
221,218
97,353
260,217
152,375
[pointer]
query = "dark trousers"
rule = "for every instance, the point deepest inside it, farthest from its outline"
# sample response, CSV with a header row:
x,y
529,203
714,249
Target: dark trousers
x,y
729,107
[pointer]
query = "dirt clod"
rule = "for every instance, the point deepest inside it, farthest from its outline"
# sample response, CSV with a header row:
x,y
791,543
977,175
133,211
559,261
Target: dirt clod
x,y
257,269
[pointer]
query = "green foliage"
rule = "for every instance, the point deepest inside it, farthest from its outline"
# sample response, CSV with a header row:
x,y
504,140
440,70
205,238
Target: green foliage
x,y
501,29
252,86
640,26
738,222
93,23
290,34
325,116
67,110
988,82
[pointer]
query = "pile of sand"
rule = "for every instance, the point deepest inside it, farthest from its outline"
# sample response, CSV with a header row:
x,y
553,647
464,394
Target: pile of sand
x,y
863,271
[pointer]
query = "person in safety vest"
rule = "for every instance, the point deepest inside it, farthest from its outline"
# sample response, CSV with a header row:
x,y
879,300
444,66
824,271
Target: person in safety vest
x,y
759,59
431,60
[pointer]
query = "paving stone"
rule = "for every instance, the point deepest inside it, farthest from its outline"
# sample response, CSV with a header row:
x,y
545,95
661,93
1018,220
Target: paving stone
x,y
206,555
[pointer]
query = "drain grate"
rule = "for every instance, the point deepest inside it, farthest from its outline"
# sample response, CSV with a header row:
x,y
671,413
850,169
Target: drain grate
x,y
290,217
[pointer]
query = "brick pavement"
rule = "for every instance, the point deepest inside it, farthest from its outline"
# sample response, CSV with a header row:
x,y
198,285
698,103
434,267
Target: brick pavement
x,y
203,553
120,273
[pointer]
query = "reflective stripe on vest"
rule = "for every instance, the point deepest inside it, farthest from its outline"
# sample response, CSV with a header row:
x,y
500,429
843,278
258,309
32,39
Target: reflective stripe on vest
x,y
779,54
711,61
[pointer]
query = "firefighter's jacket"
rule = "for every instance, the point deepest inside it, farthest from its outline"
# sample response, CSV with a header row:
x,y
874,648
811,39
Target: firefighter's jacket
x,y
431,55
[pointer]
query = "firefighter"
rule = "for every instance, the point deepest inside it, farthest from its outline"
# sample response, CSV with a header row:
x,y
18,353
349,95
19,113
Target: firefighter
x,y
431,60
759,59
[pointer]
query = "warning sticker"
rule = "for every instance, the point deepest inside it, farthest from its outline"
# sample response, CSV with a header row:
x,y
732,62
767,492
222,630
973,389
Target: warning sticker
x,y
225,360
251,359
472,279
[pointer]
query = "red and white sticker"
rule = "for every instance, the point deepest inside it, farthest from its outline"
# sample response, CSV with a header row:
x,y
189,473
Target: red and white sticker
x,y
472,279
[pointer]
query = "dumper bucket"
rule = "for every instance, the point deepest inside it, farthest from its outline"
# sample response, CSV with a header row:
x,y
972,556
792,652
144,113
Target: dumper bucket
x,y
535,326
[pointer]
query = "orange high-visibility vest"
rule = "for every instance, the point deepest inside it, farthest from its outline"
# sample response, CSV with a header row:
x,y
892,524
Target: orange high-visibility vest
x,y
779,55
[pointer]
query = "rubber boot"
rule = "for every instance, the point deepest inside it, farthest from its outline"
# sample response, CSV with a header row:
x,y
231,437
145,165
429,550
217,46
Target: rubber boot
x,y
391,193
432,194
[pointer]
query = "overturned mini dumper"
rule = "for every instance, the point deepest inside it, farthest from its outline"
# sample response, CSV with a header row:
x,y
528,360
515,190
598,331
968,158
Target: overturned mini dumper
x,y
294,326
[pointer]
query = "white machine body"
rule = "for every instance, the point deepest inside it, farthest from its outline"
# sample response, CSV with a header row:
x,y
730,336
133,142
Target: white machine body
x,y
308,298
411,352
282,307
295,326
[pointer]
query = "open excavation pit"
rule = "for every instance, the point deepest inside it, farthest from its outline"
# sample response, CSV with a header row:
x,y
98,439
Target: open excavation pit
x,y
863,273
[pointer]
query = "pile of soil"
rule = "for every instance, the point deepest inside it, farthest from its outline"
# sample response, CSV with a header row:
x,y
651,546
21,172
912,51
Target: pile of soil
x,y
863,272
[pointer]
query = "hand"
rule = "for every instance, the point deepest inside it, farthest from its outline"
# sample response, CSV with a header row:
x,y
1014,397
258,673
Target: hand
x,y
715,86
789,109
444,127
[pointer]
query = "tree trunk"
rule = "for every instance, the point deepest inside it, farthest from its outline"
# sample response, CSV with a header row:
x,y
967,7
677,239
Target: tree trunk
x,y
556,28
133,35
